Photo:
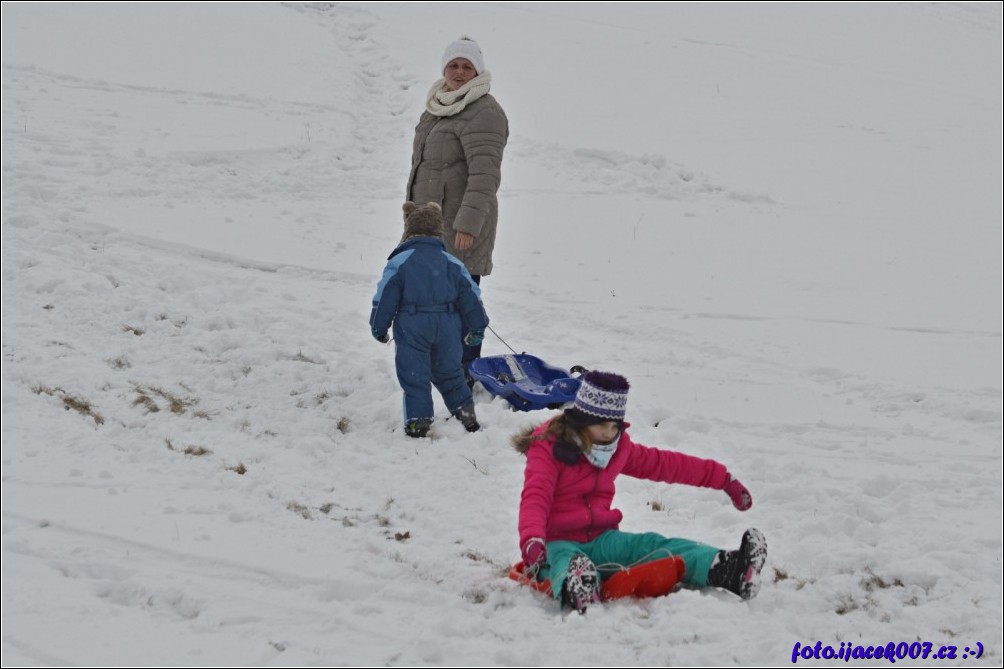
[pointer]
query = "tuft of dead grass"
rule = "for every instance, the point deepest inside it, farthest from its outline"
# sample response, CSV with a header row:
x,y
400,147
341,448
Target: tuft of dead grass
x,y
301,357
120,362
195,451
78,404
300,509
174,403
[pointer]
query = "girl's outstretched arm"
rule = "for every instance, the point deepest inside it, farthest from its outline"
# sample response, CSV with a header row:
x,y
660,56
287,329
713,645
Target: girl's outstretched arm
x,y
655,464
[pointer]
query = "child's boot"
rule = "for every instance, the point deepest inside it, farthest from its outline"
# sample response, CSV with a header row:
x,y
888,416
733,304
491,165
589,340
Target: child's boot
x,y
467,417
739,571
582,585
417,428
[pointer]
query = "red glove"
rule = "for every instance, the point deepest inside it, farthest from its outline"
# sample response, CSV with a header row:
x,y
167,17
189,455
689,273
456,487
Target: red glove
x,y
737,492
534,554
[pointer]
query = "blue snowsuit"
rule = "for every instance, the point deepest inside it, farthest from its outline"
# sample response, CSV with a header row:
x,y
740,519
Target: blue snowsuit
x,y
432,300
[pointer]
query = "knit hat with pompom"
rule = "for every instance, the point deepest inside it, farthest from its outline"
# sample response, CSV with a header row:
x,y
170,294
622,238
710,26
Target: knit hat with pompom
x,y
601,397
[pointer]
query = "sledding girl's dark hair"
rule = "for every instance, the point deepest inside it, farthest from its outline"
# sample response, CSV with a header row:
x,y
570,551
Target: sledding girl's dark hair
x,y
560,429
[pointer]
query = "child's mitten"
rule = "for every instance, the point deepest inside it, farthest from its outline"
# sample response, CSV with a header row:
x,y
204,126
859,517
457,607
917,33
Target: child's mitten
x,y
534,554
737,492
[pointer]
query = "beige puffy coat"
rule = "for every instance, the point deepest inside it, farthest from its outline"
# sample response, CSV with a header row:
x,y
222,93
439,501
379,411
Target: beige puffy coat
x,y
457,163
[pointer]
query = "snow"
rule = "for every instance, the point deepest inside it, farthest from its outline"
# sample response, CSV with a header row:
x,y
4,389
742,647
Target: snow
x,y
780,222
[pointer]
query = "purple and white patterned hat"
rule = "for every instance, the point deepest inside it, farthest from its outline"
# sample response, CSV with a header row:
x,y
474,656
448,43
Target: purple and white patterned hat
x,y
601,397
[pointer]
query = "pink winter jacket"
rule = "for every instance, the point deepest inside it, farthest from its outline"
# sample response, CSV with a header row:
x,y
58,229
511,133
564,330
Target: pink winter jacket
x,y
572,502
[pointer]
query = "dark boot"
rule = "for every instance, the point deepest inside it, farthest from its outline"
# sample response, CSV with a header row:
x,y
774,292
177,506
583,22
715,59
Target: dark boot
x,y
467,417
739,571
417,428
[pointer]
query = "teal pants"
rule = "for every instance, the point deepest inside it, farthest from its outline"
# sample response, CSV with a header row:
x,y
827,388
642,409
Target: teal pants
x,y
614,550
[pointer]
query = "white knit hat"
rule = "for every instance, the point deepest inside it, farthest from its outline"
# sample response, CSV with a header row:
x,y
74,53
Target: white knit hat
x,y
467,48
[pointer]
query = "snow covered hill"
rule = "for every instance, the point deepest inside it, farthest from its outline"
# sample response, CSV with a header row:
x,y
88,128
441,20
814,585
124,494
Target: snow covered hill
x,y
781,223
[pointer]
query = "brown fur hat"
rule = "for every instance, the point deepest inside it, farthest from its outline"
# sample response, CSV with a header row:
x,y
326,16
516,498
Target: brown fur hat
x,y
423,220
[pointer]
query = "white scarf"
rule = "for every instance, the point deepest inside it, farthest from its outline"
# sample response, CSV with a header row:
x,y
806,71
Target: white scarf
x,y
442,102
600,455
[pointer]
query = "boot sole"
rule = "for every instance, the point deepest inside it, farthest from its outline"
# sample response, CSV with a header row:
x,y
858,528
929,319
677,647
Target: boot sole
x,y
582,583
754,549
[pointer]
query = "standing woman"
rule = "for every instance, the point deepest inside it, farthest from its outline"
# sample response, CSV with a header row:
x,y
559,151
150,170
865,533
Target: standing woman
x,y
456,161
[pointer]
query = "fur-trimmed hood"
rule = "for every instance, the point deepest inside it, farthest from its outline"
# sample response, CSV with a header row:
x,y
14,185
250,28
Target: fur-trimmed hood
x,y
557,429
521,440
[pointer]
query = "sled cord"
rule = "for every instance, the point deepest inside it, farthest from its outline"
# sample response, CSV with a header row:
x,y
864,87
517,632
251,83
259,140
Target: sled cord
x,y
502,340
657,554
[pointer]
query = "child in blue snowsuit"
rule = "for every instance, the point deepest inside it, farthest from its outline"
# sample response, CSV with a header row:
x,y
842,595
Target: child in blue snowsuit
x,y
431,299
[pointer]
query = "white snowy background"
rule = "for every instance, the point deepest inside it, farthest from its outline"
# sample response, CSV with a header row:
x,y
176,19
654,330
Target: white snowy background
x,y
781,222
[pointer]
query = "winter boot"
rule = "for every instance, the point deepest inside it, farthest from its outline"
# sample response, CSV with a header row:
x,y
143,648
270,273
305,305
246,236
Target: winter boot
x,y
739,571
417,428
582,585
467,417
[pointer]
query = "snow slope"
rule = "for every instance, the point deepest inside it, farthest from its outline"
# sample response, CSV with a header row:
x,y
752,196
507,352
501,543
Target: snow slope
x,y
781,223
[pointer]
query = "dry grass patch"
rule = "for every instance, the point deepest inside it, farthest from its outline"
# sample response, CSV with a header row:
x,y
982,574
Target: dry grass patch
x,y
80,405
174,403
300,357
501,568
120,362
300,509
194,451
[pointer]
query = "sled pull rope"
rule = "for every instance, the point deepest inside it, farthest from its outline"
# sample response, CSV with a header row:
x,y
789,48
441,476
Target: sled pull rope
x,y
503,340
654,555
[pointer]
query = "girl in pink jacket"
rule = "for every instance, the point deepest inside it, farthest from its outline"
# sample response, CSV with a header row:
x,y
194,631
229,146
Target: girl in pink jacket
x,y
566,523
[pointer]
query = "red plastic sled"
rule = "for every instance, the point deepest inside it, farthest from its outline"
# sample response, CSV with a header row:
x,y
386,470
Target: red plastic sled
x,y
651,579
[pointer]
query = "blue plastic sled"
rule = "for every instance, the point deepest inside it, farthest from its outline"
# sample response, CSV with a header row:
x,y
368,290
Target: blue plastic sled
x,y
526,382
